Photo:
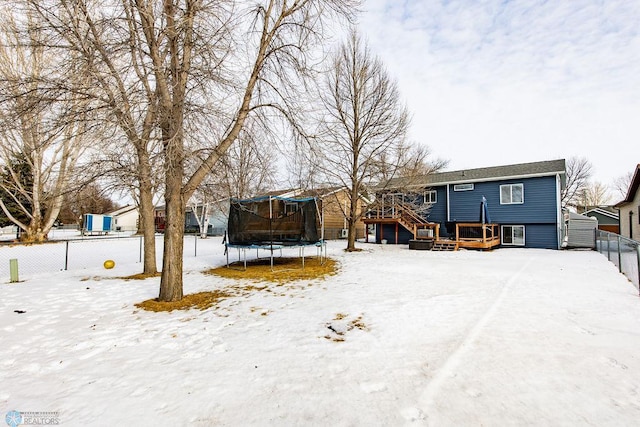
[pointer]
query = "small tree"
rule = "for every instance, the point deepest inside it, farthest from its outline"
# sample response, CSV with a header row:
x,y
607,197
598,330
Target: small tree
x,y
578,174
363,125
621,185
594,194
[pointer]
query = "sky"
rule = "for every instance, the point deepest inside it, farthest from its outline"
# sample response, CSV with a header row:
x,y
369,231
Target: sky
x,y
501,82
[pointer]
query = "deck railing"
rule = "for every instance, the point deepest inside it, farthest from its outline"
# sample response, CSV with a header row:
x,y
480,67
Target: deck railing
x,y
405,215
477,232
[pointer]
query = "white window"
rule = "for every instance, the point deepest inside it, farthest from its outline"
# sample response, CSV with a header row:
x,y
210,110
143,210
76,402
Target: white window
x,y
290,207
511,194
430,196
513,235
463,187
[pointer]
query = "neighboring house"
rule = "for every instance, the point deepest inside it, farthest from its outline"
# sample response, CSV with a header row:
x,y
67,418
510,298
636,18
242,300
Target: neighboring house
x,y
607,216
520,205
335,202
629,209
125,219
216,219
217,223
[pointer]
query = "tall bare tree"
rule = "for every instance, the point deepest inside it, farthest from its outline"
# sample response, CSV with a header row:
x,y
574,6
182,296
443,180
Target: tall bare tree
x,y
579,171
107,40
42,132
621,185
158,63
594,194
363,127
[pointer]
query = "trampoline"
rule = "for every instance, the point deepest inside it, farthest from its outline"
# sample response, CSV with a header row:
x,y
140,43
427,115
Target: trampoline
x,y
273,223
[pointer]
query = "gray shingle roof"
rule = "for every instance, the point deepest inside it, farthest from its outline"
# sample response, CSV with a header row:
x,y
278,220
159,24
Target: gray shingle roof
x,y
522,170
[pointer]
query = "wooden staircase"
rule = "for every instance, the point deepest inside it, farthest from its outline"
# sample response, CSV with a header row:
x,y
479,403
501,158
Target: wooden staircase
x,y
409,219
404,215
444,245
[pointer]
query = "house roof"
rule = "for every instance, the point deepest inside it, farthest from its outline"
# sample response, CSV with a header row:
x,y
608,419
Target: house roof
x,y
603,210
322,192
493,173
123,210
290,192
633,188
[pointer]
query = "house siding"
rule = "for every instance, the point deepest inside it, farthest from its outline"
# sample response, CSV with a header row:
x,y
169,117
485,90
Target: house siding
x,y
539,202
630,225
541,236
389,234
538,213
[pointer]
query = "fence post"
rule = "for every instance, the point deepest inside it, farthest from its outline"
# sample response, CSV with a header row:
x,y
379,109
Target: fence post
x,y
140,257
195,245
619,256
608,247
66,256
13,270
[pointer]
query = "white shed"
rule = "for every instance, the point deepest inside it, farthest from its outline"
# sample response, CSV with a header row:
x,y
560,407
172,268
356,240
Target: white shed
x,y
126,219
579,231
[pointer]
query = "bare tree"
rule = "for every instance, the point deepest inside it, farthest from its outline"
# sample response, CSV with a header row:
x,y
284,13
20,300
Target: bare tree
x,y
42,133
158,64
107,41
578,174
363,127
621,185
594,194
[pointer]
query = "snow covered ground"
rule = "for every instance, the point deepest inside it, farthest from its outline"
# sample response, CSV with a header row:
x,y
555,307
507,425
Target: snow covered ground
x,y
398,337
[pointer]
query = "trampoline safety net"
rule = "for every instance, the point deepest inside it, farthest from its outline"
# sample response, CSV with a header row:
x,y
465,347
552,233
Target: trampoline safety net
x,y
273,220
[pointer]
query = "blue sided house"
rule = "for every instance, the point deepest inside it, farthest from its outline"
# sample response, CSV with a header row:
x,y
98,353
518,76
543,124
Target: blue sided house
x,y
508,206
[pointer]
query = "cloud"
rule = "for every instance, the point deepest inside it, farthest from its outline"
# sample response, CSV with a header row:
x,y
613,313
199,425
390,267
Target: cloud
x,y
523,80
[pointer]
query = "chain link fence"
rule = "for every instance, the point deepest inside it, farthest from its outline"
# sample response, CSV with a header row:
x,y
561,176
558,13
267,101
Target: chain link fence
x,y
79,253
623,252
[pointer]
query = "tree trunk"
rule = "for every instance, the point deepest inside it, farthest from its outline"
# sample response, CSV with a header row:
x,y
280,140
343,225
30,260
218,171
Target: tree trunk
x,y
175,205
351,220
33,234
147,217
171,281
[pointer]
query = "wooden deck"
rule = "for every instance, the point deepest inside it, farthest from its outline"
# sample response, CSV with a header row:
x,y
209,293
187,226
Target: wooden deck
x,y
474,235
469,235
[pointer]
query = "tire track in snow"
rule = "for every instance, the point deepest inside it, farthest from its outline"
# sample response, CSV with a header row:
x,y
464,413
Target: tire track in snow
x,y
427,398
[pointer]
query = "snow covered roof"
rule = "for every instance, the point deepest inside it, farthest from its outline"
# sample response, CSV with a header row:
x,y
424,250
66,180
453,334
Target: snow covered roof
x,y
602,210
123,210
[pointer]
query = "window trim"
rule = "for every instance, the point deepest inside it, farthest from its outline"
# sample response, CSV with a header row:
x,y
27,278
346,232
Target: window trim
x,y
511,202
502,234
430,193
288,207
463,187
